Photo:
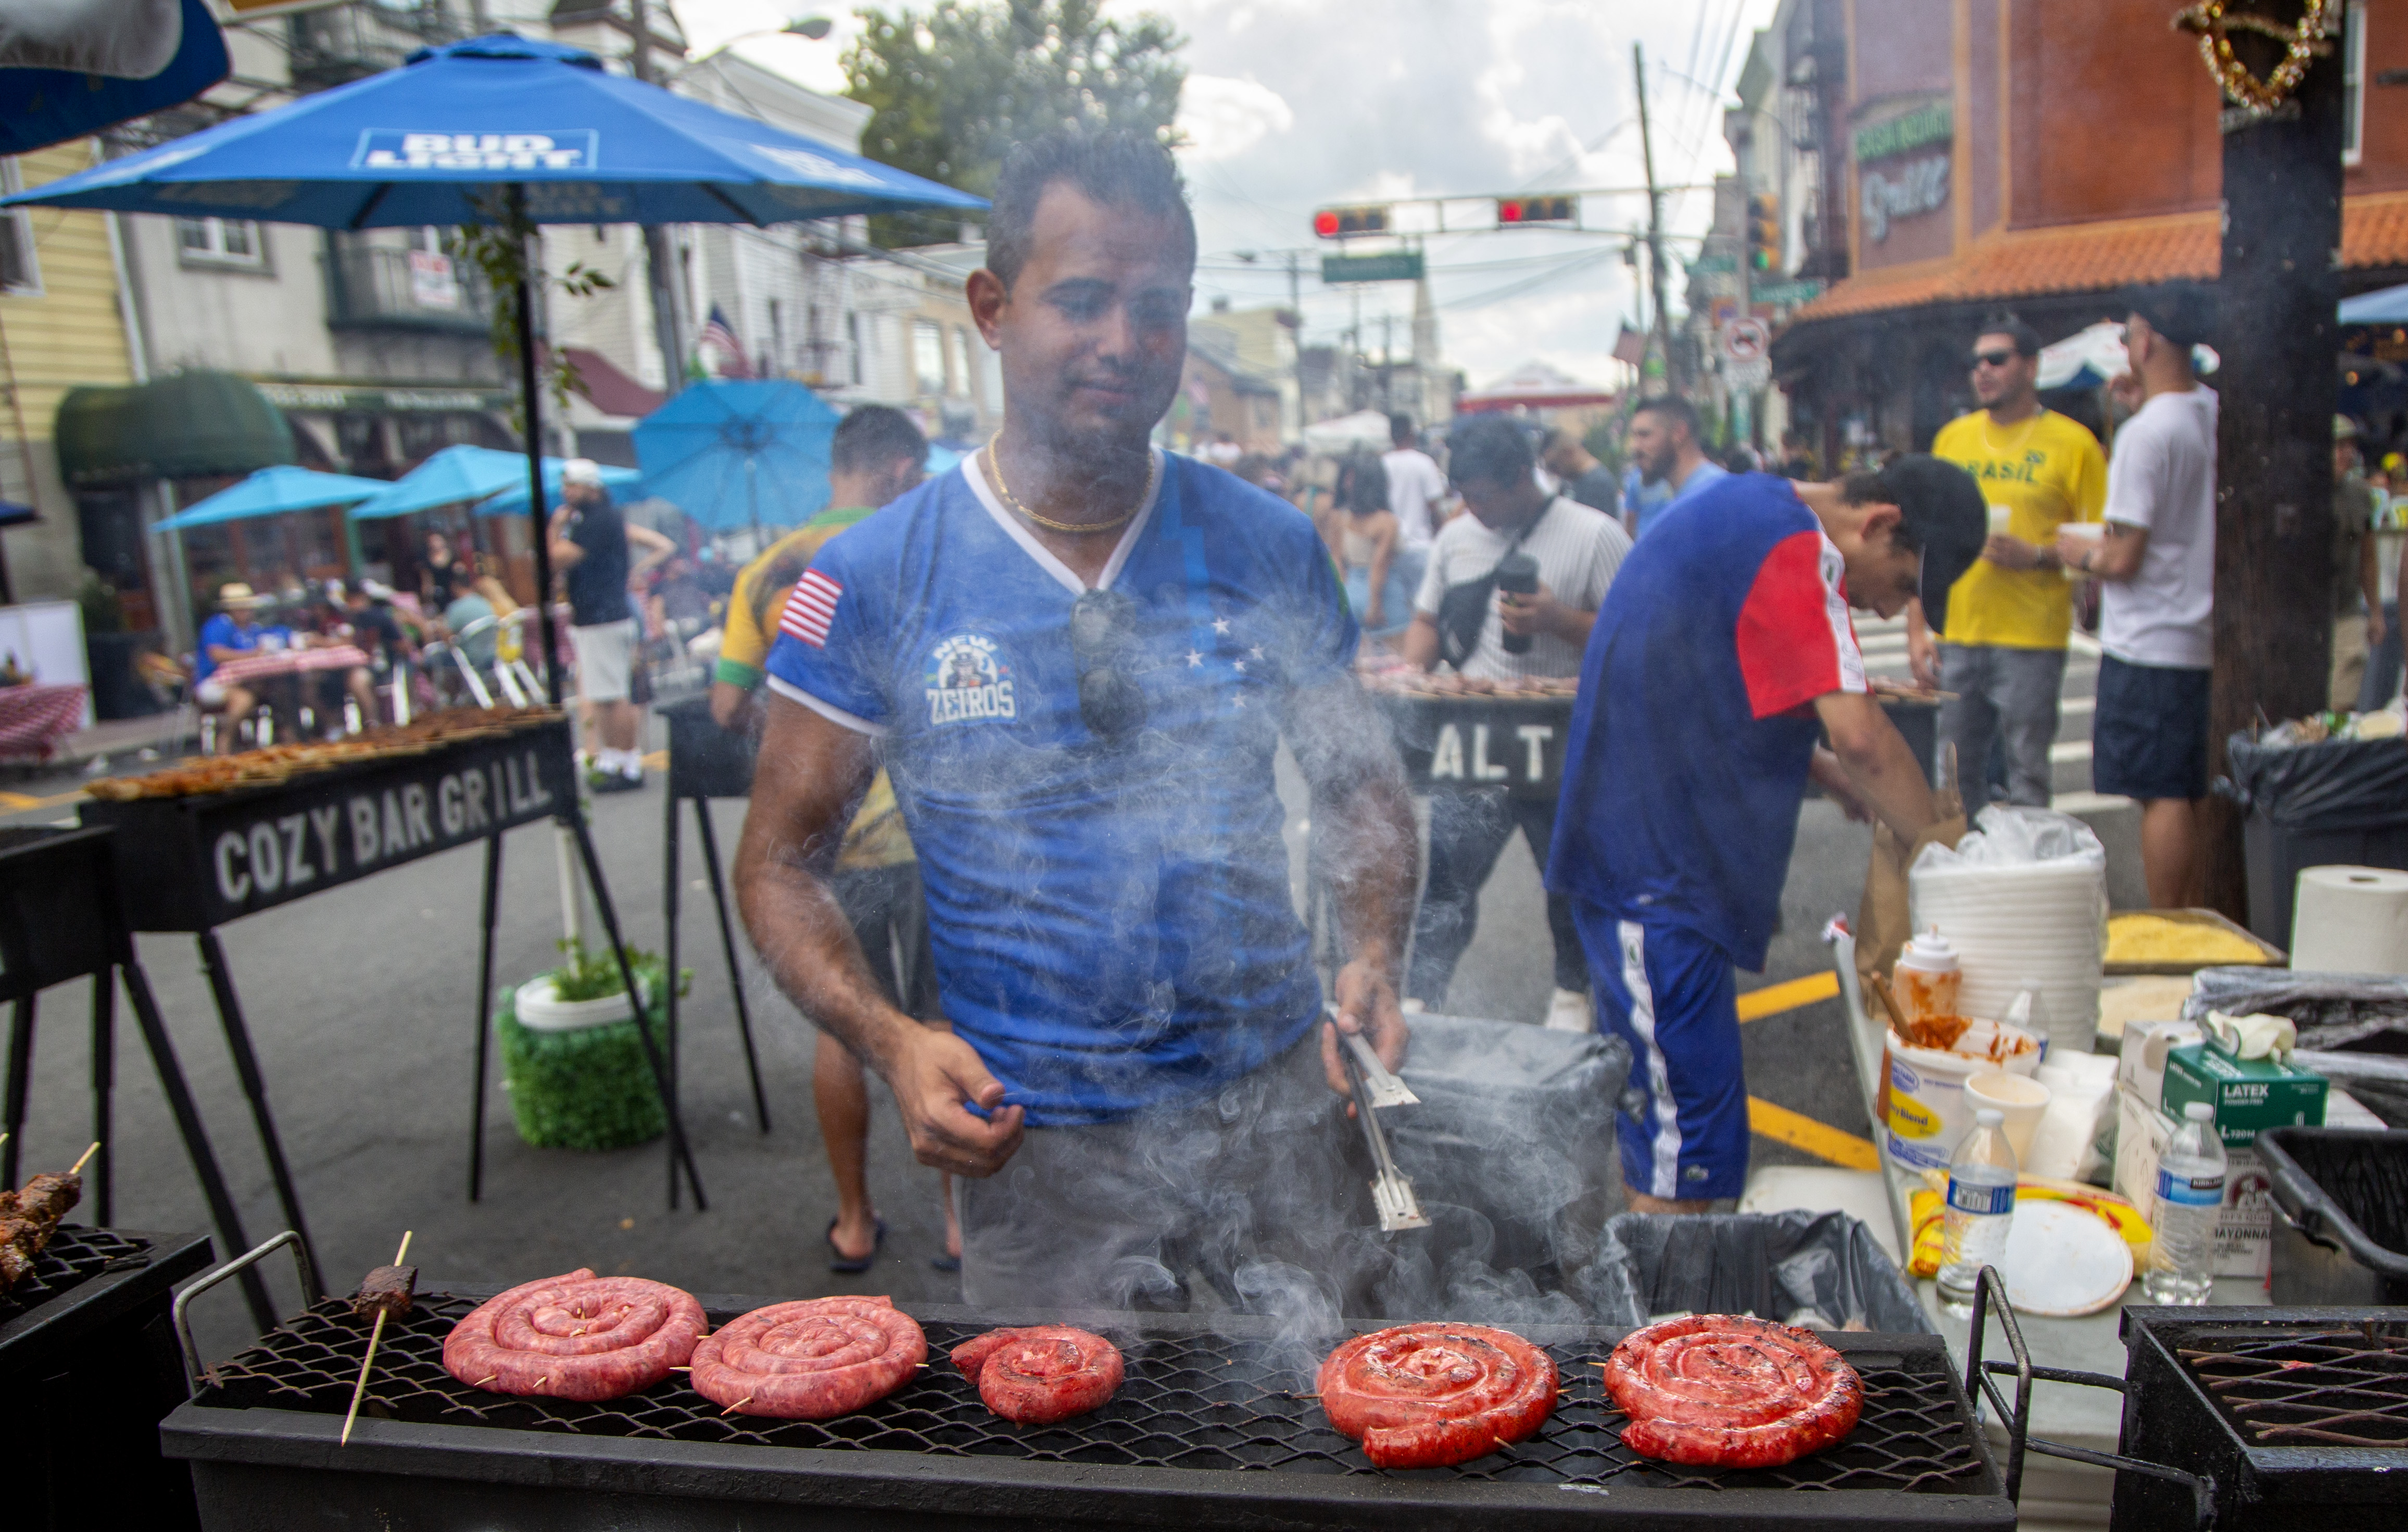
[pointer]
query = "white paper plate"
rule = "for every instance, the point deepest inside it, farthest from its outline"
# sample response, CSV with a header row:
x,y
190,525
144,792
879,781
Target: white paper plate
x,y
2063,1261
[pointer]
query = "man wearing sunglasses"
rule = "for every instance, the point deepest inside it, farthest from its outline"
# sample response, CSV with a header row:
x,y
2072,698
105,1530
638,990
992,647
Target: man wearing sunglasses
x,y
2003,650
1077,657
1723,654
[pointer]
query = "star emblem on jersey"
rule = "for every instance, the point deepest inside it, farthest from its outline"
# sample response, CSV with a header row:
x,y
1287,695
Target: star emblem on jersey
x,y
1195,659
1220,626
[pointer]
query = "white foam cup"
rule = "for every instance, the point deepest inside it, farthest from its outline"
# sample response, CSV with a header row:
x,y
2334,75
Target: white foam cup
x,y
2020,1099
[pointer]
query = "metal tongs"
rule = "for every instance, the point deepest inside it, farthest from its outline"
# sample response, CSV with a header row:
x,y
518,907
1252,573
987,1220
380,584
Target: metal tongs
x,y
1374,1086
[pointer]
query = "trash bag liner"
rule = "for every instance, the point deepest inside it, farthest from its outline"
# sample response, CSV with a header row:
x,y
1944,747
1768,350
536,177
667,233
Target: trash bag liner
x,y
1822,1271
2340,784
1517,1121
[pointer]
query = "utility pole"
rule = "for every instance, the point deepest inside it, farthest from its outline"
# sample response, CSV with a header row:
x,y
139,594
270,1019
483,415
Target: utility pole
x,y
1662,328
660,254
1296,332
1387,363
2273,465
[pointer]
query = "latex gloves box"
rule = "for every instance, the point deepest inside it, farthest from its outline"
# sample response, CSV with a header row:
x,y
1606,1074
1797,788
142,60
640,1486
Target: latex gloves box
x,y
2248,1095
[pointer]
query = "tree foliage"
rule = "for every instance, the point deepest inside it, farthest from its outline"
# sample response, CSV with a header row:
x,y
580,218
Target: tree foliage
x,y
955,86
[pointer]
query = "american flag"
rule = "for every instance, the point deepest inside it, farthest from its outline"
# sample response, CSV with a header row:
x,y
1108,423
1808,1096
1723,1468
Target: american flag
x,y
720,337
812,609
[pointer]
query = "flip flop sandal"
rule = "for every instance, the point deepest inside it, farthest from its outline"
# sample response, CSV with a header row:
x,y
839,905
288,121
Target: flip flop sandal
x,y
852,1266
944,1262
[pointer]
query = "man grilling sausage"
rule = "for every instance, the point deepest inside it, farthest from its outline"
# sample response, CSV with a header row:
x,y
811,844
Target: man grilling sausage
x,y
1131,1083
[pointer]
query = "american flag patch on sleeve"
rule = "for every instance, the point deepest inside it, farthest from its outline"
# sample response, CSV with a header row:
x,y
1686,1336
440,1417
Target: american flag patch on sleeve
x,y
812,609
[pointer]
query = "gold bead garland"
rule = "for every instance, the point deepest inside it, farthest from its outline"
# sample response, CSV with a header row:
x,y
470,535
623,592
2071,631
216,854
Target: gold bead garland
x,y
2302,45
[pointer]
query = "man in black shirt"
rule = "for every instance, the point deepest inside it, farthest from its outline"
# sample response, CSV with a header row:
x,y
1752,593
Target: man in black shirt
x,y
1585,479
593,544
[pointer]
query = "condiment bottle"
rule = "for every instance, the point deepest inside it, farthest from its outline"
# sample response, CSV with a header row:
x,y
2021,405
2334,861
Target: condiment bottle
x,y
1927,980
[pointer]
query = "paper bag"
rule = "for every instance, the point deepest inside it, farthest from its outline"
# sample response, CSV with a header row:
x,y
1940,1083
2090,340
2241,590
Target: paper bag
x,y
1883,920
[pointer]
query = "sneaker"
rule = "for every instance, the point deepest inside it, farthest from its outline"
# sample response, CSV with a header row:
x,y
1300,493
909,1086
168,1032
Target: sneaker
x,y
615,781
1568,1010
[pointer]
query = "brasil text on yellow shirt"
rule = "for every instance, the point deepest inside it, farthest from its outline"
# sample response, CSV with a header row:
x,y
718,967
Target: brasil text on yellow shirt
x,y
2045,472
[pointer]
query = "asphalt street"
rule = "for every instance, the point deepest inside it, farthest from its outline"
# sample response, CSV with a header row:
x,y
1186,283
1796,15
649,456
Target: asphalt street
x,y
362,1004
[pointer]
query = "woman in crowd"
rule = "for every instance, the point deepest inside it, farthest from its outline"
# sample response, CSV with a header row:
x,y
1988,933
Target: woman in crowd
x,y
1365,538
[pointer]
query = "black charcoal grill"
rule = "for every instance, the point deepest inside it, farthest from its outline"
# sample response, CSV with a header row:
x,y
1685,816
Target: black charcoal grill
x,y
2284,1411
1205,1431
86,1369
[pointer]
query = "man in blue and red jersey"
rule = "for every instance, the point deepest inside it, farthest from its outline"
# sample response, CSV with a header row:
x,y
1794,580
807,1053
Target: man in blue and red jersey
x,y
1077,656
1723,654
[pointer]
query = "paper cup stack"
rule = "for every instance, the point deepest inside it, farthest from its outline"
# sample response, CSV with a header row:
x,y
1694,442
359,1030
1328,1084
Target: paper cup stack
x,y
2039,924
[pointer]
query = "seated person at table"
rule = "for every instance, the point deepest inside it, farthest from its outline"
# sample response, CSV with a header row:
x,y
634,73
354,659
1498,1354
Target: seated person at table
x,y
230,635
876,456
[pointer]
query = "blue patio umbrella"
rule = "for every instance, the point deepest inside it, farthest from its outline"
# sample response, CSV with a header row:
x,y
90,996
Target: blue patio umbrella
x,y
274,492
621,482
110,65
491,131
451,476
2383,306
730,454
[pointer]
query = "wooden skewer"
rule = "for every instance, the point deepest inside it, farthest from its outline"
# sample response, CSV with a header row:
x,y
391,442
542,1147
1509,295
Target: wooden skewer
x,y
360,1389
76,1168
738,1404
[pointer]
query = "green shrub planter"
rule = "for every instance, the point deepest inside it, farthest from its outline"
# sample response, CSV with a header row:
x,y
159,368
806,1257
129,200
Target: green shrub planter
x,y
588,1089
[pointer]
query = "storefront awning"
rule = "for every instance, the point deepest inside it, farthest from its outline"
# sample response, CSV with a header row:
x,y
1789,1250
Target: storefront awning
x,y
2098,257
186,425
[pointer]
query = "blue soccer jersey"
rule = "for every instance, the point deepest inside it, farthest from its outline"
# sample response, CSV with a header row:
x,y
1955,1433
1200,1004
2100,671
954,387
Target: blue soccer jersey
x,y
1111,917
1688,747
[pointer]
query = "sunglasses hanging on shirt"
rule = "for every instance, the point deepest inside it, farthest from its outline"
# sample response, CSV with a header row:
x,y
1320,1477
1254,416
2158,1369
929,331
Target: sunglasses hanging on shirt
x,y
1103,640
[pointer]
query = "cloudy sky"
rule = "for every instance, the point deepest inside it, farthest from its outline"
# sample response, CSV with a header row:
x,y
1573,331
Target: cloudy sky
x,y
1294,104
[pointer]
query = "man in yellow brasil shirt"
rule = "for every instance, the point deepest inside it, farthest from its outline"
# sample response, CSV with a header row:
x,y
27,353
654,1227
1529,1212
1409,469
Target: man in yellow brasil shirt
x,y
876,456
2003,651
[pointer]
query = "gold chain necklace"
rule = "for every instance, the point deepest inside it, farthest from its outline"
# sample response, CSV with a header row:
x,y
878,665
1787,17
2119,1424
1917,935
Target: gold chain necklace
x,y
1153,472
1991,442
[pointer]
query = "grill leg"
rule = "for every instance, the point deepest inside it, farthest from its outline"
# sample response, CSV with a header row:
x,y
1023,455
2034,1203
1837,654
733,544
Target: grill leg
x,y
669,949
680,1153
485,1016
728,944
104,1085
254,1087
21,1069
196,1138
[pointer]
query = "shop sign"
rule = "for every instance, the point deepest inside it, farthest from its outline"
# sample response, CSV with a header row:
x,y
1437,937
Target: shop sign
x,y
334,397
1786,295
1932,124
1916,187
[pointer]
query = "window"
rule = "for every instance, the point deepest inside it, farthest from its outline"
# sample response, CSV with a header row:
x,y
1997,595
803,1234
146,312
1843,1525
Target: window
x,y
927,357
19,272
218,242
2353,85
961,368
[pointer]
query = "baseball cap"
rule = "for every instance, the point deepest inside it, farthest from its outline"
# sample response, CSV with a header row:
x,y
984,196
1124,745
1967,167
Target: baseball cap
x,y
581,470
1942,511
2345,429
2183,312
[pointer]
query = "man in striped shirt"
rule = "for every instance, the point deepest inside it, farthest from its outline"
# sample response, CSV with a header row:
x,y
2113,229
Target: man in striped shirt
x,y
1577,550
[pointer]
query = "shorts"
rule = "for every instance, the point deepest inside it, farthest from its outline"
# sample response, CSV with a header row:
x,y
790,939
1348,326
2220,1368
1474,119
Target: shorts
x,y
211,694
1669,995
2149,737
605,656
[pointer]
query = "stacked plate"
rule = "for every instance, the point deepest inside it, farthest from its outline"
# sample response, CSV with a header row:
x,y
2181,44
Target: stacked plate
x,y
2031,926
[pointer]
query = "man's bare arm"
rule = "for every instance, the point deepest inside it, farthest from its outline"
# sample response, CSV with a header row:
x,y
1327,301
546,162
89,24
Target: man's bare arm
x,y
812,776
1369,851
655,548
1879,763
1420,647
2116,555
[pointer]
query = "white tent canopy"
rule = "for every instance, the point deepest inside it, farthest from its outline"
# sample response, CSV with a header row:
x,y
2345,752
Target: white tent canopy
x,y
2091,357
1365,431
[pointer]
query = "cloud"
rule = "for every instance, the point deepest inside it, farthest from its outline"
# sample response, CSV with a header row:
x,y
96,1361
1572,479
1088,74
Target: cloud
x,y
1223,117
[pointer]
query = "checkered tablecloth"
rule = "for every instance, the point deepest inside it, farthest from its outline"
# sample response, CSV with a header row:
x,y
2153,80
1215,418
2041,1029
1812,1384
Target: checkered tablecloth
x,y
289,662
33,718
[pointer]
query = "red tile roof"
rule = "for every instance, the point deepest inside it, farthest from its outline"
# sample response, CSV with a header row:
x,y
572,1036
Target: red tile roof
x,y
2096,257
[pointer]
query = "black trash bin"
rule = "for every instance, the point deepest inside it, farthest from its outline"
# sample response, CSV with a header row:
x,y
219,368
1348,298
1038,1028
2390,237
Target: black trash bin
x,y
2344,802
1822,1271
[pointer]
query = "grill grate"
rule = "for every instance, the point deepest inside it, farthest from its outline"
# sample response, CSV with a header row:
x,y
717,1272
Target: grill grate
x,y
73,1256
1189,1401
2309,1386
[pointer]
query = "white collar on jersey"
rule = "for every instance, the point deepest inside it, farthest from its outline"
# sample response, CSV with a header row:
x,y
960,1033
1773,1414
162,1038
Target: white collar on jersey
x,y
974,472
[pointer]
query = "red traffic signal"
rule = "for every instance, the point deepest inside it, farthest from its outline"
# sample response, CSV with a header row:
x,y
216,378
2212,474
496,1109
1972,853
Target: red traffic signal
x,y
1346,223
1525,212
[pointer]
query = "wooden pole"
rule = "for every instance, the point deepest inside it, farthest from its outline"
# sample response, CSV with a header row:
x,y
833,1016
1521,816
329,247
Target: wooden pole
x,y
2277,393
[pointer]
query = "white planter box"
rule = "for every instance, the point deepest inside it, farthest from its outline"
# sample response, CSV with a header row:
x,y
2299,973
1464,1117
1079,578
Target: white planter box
x,y
540,1008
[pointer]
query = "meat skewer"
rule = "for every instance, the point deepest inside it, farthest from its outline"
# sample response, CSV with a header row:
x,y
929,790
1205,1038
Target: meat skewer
x,y
31,1214
379,1290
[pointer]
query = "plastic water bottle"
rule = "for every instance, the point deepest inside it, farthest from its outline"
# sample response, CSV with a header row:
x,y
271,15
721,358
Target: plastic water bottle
x,y
1981,1206
2190,1194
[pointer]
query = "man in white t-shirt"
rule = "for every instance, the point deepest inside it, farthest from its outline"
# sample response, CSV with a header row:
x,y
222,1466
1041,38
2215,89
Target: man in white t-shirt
x,y
1577,550
1415,486
2156,563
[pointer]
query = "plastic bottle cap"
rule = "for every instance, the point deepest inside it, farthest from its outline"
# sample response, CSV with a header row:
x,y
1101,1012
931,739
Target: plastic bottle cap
x,y
1991,1116
2199,1112
1929,951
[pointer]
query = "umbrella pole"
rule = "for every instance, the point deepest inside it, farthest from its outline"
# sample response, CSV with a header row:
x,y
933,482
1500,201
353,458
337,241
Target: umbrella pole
x,y
753,498
531,398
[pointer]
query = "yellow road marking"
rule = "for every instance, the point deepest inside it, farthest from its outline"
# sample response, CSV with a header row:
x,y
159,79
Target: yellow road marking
x,y
1819,1139
659,761
11,803
1773,1000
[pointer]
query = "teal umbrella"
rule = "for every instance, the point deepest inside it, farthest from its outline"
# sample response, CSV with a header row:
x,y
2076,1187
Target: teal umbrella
x,y
274,492
621,482
451,476
732,454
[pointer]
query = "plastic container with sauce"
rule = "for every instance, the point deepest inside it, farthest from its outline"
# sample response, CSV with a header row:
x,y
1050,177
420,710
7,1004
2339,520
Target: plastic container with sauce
x,y
1927,978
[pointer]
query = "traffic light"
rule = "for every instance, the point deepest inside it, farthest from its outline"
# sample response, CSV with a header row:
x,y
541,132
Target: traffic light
x,y
1346,223
1529,212
1763,232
